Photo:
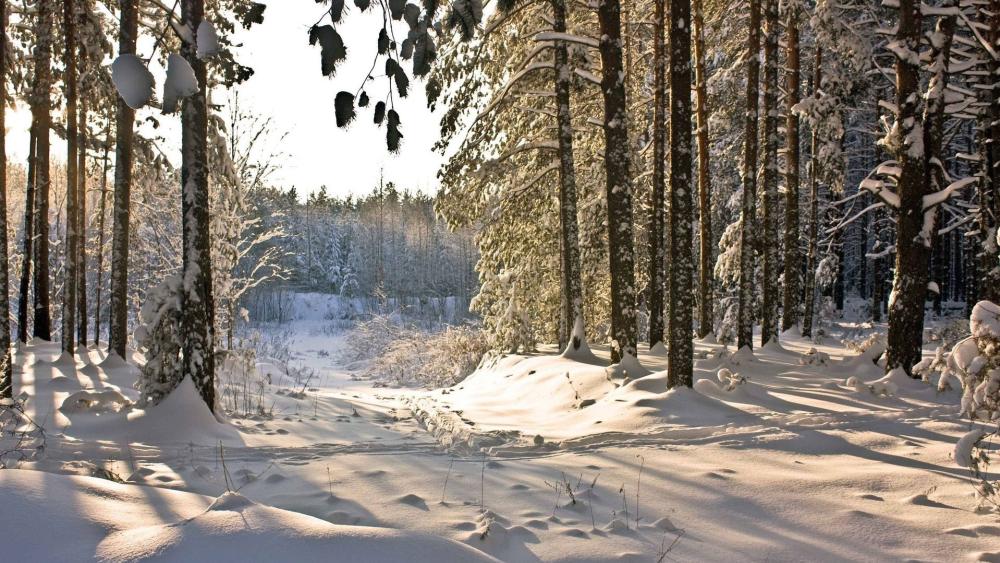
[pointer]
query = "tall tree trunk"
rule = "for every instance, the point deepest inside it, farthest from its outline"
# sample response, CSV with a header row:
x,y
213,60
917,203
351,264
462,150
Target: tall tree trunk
x,y
197,307
657,240
681,359
6,370
793,259
748,213
118,333
24,293
769,200
706,243
988,263
81,208
621,249
43,122
906,307
69,78
812,243
101,214
572,281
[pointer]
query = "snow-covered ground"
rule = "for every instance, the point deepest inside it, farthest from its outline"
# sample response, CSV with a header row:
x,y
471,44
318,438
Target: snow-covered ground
x,y
531,458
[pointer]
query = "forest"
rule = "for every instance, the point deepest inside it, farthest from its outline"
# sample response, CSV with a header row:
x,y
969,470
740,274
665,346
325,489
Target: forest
x,y
721,279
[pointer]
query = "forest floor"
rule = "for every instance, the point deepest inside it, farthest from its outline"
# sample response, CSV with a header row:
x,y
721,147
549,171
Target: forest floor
x,y
535,458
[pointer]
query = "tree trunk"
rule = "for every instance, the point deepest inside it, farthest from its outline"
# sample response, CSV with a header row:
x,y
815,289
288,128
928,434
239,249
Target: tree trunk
x,y
769,200
621,250
101,214
657,246
812,243
24,293
6,370
989,189
118,333
572,281
706,242
793,259
748,213
197,307
681,359
43,123
906,306
69,78
81,207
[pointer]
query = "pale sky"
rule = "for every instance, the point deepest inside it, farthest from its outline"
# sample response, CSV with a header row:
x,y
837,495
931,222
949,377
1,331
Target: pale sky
x,y
289,86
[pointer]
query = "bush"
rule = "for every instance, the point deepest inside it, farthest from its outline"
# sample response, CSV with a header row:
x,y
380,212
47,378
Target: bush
x,y
401,355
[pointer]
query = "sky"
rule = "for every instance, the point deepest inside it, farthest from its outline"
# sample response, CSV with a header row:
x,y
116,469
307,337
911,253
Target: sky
x,y
289,86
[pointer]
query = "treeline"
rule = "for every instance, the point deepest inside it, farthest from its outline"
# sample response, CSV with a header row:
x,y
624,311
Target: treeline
x,y
649,168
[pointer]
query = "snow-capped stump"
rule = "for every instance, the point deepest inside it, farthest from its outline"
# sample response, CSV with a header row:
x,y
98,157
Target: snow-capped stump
x,y
133,80
207,40
814,358
107,400
181,82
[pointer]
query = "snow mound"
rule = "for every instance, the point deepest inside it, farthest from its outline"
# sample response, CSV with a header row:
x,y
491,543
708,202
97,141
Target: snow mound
x,y
108,400
963,448
181,417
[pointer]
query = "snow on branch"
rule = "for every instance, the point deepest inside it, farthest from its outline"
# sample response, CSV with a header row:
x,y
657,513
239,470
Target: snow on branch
x,y
880,189
567,37
939,197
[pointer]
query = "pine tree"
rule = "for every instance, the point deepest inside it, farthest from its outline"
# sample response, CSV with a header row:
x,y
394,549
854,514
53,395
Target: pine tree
x,y
812,238
748,211
706,242
41,115
769,175
656,234
621,250
681,359
197,306
128,32
6,369
24,290
792,257
70,284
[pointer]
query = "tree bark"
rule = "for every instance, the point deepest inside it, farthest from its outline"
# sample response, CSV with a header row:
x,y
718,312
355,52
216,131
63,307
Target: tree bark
x,y
657,240
70,284
906,306
793,259
748,213
24,293
197,306
706,242
101,214
681,359
621,249
118,333
572,281
6,370
43,122
81,207
812,243
769,175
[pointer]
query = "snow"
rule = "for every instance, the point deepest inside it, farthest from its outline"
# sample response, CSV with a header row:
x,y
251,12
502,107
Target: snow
x,y
985,320
207,40
181,82
791,463
133,80
964,446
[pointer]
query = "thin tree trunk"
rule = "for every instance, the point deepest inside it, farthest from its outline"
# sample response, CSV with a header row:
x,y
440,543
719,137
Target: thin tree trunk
x,y
69,78
681,359
657,240
706,243
748,213
81,207
769,200
572,281
6,370
43,122
197,307
793,259
621,249
118,333
988,263
24,294
813,236
102,212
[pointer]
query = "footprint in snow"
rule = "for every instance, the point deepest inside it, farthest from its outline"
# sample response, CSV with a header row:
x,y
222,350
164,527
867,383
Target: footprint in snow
x,y
872,497
575,533
924,500
714,475
537,524
990,557
275,478
519,487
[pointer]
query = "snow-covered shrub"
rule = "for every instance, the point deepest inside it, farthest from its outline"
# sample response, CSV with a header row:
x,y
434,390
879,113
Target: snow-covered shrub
x,y
159,336
402,355
729,380
976,361
814,358
20,438
928,367
949,333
